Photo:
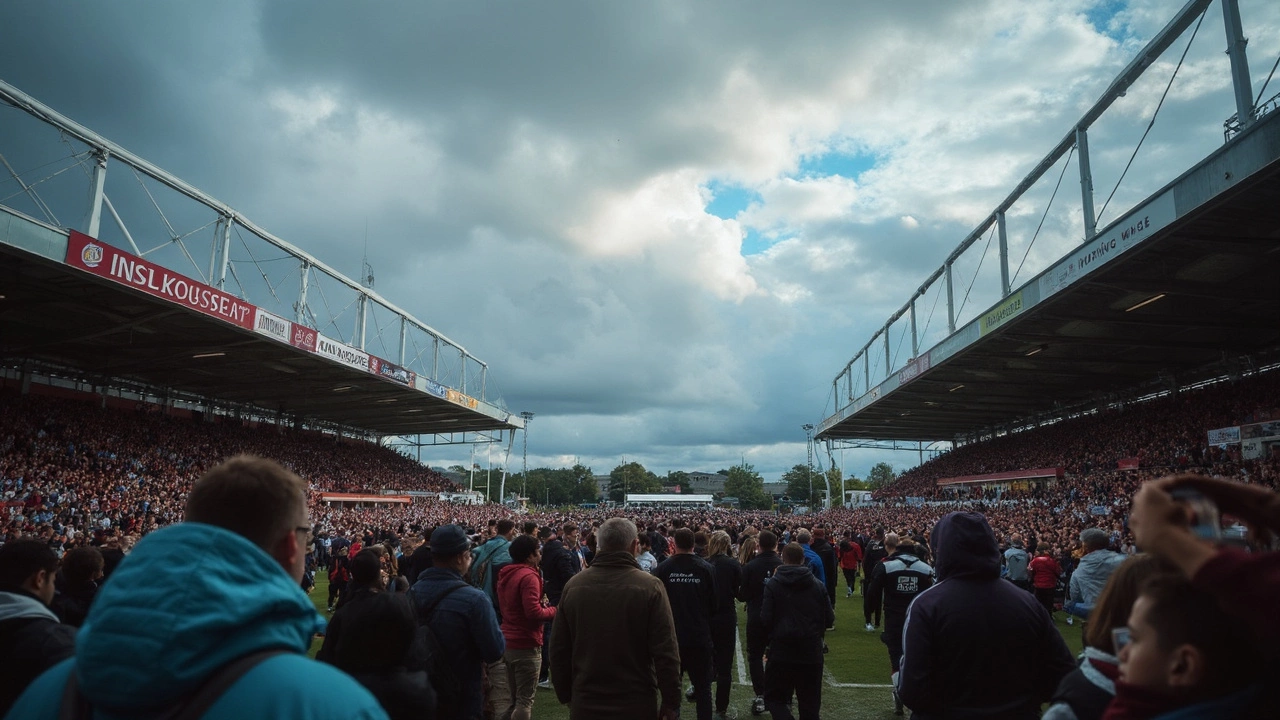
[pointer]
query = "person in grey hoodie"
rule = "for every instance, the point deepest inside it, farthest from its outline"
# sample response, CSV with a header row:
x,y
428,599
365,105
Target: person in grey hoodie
x,y
1091,575
31,638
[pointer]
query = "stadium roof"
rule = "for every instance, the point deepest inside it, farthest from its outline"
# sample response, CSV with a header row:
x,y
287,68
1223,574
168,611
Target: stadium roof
x,y
56,314
1186,281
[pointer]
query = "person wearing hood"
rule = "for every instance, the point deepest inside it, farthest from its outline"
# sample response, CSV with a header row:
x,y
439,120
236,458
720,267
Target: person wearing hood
x,y
523,619
32,638
194,598
897,581
945,670
797,612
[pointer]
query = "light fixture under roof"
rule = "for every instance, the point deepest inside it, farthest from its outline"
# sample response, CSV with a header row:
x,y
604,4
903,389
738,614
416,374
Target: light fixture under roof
x,y
1037,349
387,400
406,412
208,355
955,388
1144,303
343,388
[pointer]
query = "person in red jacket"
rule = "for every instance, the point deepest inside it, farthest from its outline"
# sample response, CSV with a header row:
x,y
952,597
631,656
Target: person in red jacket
x,y
523,618
850,559
1044,576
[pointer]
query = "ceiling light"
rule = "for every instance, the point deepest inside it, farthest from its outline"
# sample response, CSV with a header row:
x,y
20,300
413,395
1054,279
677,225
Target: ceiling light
x,y
1144,303
406,412
1036,349
387,400
956,388
205,355
344,388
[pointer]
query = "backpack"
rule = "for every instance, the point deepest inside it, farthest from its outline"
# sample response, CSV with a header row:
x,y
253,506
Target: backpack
x,y
484,572
439,662
190,707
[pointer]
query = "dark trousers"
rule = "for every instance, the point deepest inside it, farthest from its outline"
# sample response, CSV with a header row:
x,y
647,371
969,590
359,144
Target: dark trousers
x,y
544,670
866,606
1045,596
832,581
724,637
892,638
850,575
757,642
805,679
696,663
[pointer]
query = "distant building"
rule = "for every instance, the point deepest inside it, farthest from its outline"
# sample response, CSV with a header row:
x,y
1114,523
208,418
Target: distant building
x,y
701,482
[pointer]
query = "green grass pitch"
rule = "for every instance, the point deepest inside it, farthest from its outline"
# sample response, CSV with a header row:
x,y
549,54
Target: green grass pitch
x,y
857,657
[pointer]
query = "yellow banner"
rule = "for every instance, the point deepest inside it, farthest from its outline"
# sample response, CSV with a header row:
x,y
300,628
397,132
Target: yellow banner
x,y
1002,313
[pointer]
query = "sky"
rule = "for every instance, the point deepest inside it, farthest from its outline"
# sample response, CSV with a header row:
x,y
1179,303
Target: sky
x,y
665,226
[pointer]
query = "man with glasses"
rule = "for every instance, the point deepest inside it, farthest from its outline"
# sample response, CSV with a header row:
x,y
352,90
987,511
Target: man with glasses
x,y
214,597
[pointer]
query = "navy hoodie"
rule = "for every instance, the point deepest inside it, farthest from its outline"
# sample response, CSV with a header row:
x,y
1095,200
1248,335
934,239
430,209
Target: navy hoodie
x,y
974,646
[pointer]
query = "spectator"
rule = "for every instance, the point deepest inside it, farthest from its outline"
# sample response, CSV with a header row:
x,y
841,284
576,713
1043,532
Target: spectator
x,y
645,559
691,589
366,583
1016,561
898,579
378,649
1092,573
724,621
796,610
747,549
523,619
755,574
81,571
827,554
850,560
560,562
1086,691
872,554
811,559
614,641
971,607
33,639
195,597
461,617
1184,656
488,560
1045,571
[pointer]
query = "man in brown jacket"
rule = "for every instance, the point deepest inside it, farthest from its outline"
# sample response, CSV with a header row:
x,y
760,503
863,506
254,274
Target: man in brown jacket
x,y
613,644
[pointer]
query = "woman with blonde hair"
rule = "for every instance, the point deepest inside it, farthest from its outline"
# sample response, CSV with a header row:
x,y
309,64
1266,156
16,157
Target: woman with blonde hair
x,y
747,549
724,623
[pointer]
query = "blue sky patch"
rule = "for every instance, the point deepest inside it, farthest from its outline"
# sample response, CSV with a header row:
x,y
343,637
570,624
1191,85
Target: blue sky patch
x,y
849,165
755,243
729,200
1101,14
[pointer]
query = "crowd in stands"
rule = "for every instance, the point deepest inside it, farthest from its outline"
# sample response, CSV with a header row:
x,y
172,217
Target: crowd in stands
x,y
87,483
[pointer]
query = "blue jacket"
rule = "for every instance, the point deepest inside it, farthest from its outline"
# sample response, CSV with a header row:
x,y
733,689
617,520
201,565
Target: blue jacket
x,y
814,561
464,623
189,599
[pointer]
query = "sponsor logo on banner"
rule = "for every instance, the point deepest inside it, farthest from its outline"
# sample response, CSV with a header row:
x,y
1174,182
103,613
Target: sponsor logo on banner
x,y
1134,229
303,337
1264,430
1002,313
1224,436
390,371
87,254
431,387
343,353
913,369
456,397
271,325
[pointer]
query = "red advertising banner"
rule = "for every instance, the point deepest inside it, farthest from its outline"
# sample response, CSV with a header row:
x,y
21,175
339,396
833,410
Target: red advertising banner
x,y
302,337
100,259
1036,474
1129,463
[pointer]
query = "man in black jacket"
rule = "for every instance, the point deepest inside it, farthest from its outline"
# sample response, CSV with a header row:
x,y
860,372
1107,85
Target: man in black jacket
x,y
754,574
872,554
969,608
827,554
691,587
898,580
796,610
560,561
31,638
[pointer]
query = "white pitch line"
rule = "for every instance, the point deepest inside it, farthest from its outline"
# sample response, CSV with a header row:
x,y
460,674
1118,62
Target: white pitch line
x,y
742,663
831,681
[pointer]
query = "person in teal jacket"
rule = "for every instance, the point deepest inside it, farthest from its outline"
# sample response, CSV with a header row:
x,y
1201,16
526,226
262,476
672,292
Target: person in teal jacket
x,y
195,596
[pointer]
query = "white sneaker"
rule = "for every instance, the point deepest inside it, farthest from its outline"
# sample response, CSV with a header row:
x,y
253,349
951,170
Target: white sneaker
x,y
757,706
1070,620
545,684
871,628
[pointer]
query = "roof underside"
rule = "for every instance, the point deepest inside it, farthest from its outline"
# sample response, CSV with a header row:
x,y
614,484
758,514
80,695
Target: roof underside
x,y
1219,268
54,314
